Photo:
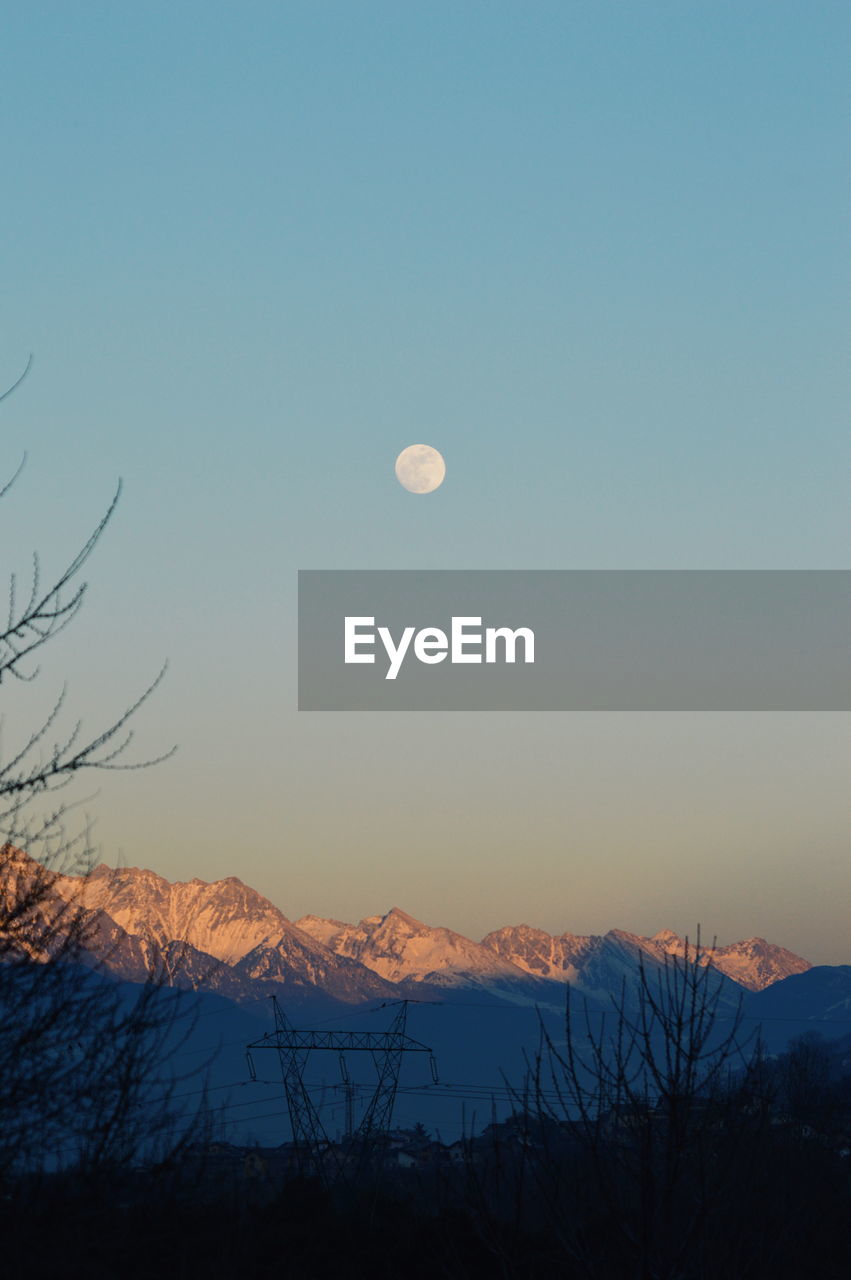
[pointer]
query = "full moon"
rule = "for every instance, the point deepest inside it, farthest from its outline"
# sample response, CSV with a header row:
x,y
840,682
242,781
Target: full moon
x,y
420,469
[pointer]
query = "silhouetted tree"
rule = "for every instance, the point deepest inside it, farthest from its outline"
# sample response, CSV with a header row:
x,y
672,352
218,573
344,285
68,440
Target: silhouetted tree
x,y
85,1069
659,1141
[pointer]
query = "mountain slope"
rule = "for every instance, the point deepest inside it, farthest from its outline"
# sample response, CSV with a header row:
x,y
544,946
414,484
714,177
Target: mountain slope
x,y
540,953
822,994
301,966
818,1000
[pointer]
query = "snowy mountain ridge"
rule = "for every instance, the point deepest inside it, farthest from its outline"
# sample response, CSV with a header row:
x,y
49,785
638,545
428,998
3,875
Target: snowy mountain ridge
x,y
753,963
248,944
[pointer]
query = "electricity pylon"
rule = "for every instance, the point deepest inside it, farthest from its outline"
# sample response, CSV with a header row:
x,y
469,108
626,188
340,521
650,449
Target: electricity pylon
x,y
294,1047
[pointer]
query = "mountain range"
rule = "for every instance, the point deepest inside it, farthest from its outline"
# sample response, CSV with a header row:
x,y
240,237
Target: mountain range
x,y
226,937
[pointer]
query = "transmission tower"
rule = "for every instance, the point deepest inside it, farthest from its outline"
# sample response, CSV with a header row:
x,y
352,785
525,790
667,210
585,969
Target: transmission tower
x,y
294,1047
348,1089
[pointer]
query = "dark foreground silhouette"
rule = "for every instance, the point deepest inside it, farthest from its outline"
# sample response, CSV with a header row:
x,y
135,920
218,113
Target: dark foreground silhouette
x,y
762,1190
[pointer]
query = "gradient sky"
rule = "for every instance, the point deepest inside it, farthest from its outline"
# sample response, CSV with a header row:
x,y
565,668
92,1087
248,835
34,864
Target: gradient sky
x,y
597,255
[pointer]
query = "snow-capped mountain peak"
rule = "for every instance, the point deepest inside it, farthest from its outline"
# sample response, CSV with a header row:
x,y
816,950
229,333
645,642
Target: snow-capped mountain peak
x,y
401,948
225,919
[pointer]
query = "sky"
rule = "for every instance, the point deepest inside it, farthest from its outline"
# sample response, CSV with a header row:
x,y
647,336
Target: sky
x,y
597,255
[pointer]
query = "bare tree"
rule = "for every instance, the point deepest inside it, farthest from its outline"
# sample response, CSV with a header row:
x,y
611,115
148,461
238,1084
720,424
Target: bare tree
x,y
639,1135
643,1092
86,1067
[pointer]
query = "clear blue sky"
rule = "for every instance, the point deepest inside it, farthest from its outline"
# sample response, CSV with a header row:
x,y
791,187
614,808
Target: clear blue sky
x,y
597,254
